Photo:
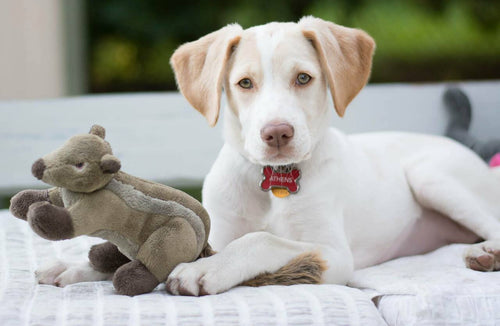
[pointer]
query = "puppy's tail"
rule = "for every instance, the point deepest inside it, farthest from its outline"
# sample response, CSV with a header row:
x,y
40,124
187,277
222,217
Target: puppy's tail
x,y
303,269
306,268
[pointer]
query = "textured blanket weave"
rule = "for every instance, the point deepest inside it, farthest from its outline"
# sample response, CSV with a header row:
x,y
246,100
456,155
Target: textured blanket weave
x,y
433,289
23,302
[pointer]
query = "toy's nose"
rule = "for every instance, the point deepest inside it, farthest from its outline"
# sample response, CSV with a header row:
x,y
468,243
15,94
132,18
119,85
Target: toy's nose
x,y
277,134
38,168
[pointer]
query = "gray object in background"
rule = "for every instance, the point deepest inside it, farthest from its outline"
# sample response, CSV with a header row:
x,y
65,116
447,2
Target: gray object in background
x,y
461,115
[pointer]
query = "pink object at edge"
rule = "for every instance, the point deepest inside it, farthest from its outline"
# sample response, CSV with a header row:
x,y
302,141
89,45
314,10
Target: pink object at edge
x,y
495,160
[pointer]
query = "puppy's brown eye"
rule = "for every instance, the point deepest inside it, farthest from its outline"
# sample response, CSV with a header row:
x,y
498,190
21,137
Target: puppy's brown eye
x,y
303,78
245,83
79,165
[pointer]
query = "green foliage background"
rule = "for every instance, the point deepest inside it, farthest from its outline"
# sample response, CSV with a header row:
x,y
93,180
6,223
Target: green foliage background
x,y
130,41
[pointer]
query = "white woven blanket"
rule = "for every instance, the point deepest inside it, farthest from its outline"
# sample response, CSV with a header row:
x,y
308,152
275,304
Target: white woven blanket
x,y
433,289
23,302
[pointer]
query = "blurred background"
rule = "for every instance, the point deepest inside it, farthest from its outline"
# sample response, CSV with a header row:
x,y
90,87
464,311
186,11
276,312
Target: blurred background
x,y
55,48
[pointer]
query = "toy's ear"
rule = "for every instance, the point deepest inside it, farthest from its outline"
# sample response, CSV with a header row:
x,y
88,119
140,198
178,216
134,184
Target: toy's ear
x,y
98,131
110,164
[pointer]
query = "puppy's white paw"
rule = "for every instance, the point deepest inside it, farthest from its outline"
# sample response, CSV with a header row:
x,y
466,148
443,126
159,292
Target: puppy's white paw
x,y
202,277
62,273
214,282
49,272
484,256
184,279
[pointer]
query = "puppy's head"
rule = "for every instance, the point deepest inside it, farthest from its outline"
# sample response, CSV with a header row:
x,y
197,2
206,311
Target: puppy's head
x,y
276,78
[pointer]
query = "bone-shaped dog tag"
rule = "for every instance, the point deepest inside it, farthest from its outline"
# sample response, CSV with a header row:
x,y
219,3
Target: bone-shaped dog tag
x,y
281,181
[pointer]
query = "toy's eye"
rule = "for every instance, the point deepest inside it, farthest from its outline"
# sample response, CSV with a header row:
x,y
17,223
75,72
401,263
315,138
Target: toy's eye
x,y
79,165
303,78
245,83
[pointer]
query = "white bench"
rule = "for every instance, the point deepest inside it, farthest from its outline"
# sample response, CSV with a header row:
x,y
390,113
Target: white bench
x,y
159,137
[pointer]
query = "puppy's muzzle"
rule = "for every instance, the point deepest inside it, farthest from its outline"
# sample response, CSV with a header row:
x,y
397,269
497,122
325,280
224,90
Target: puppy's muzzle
x,y
277,134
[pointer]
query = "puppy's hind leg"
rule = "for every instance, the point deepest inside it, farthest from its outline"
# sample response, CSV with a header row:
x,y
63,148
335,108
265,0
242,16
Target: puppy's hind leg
x,y
451,198
104,259
61,273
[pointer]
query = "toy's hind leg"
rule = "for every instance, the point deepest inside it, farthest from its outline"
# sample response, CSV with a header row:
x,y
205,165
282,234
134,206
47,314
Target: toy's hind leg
x,y
165,248
169,246
134,278
452,199
106,258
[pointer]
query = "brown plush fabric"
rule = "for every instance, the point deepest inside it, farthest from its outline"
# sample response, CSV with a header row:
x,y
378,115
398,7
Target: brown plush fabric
x,y
110,164
80,152
163,192
106,258
38,168
50,222
134,278
304,269
207,252
154,225
155,211
98,131
20,203
167,247
55,197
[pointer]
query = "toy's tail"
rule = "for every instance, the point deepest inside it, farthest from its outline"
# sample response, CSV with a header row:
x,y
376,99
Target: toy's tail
x,y
303,269
207,252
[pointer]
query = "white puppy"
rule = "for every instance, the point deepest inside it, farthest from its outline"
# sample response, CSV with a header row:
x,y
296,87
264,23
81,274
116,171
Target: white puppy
x,y
360,199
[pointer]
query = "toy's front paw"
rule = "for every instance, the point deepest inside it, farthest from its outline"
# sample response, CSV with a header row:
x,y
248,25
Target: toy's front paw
x,y
20,203
50,222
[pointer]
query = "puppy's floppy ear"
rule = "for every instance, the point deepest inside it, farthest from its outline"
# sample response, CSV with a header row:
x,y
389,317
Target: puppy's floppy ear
x,y
110,164
345,55
199,68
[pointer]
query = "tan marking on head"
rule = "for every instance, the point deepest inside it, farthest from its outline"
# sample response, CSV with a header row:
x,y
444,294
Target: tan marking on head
x,y
199,69
244,63
273,55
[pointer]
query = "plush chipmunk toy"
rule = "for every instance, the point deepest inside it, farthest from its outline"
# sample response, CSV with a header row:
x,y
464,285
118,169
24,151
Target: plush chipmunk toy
x,y
150,227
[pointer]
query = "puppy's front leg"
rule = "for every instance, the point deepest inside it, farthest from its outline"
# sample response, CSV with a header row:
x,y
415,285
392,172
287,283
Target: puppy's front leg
x,y
249,256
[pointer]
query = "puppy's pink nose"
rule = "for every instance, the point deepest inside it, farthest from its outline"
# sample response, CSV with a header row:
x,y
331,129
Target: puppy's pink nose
x,y
277,134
